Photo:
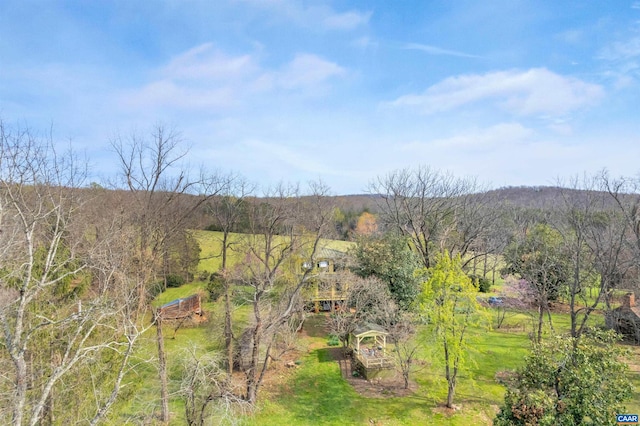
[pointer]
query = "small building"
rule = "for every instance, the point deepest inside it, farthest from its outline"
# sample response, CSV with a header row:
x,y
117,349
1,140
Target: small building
x,y
369,344
626,318
181,308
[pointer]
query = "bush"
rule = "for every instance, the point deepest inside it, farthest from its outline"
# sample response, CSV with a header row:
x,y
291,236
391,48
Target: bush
x,y
333,340
215,286
174,280
481,283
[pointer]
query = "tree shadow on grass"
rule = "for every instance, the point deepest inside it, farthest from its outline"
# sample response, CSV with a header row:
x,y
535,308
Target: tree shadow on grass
x,y
330,354
315,325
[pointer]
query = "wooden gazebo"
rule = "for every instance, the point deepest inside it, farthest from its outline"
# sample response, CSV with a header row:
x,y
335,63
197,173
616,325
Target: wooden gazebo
x,y
371,355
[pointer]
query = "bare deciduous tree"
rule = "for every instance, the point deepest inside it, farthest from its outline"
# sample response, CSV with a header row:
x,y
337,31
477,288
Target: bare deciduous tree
x,y
272,267
366,300
59,307
435,210
207,392
227,210
159,185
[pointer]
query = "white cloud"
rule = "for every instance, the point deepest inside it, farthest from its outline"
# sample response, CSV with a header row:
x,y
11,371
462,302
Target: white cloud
x,y
308,70
364,43
166,93
312,15
433,50
536,91
572,36
300,159
205,62
206,78
347,20
622,60
622,50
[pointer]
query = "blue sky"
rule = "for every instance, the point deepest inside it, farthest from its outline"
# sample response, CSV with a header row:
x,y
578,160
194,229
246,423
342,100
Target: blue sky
x,y
511,92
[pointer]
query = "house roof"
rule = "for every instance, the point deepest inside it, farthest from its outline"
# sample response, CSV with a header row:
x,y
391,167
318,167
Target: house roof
x,y
177,301
327,253
634,309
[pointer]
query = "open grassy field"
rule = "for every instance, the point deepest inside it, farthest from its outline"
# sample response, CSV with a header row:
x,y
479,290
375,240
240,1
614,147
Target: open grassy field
x,y
211,242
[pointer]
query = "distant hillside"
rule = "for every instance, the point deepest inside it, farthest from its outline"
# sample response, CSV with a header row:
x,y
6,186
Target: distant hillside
x,y
541,197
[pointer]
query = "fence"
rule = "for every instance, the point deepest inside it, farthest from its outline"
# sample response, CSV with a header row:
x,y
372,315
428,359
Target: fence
x,y
375,361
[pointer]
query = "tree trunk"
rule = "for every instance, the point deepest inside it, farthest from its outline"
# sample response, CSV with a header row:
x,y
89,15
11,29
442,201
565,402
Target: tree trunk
x,y
540,321
451,378
162,371
252,372
451,392
228,320
228,330
21,390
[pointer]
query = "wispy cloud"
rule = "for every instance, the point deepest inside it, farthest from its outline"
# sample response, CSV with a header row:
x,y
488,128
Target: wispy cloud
x,y
433,50
475,139
347,20
316,16
621,50
531,92
297,159
207,62
622,62
207,78
307,70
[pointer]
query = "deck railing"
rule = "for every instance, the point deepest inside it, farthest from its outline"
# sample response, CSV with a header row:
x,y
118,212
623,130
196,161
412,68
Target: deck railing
x,y
329,295
375,361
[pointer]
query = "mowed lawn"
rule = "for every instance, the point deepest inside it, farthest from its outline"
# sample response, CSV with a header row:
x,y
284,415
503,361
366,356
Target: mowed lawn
x,y
315,392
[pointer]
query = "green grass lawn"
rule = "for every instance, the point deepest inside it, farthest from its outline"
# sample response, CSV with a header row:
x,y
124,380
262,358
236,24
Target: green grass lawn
x,y
316,393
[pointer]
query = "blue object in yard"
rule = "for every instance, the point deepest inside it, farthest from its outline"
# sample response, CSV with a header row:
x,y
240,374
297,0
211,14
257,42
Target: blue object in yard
x,y
495,300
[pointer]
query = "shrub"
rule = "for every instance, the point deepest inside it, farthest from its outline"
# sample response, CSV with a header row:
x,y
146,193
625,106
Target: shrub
x,y
333,340
174,280
215,286
481,283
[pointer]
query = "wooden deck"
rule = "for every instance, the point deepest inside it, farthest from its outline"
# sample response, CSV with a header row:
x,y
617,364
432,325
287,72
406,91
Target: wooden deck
x,y
374,360
329,295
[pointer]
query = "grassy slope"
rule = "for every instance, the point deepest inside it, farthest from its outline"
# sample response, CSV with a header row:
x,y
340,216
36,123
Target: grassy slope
x,y
211,243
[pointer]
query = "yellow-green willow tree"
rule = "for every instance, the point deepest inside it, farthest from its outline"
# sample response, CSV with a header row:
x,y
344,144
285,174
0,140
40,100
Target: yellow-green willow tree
x,y
448,301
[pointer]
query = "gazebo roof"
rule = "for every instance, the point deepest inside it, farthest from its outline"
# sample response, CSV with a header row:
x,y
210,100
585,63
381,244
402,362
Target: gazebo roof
x,y
369,330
